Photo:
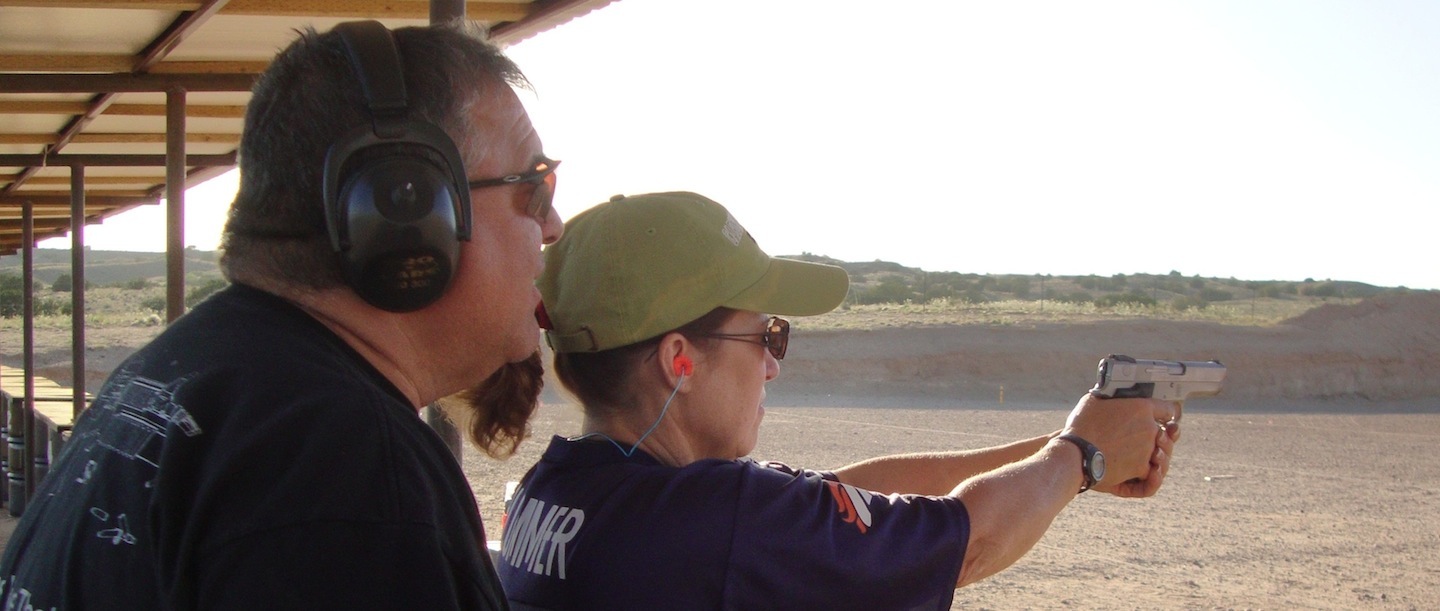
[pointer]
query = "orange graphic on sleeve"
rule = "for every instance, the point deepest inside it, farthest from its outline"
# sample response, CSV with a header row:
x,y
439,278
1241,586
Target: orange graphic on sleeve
x,y
852,503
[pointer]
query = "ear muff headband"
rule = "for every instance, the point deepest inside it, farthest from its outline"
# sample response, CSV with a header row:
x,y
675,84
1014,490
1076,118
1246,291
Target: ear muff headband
x,y
396,199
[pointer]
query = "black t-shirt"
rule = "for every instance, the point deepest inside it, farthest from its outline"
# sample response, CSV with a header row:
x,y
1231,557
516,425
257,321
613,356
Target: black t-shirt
x,y
247,458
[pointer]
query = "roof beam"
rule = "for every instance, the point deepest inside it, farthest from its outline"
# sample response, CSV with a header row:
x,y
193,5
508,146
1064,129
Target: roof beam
x,y
114,161
194,177
179,30
252,68
115,63
36,181
52,215
13,107
49,230
52,207
373,9
542,15
124,83
118,195
42,231
116,138
208,111
98,104
153,5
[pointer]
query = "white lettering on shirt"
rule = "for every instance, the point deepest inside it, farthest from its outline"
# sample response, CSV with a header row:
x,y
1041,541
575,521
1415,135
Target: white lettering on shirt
x,y
536,535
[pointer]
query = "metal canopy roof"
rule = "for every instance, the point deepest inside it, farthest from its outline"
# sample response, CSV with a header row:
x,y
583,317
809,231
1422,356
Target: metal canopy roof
x,y
86,85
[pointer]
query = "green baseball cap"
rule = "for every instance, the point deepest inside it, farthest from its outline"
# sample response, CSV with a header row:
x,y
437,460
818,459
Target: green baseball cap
x,y
638,266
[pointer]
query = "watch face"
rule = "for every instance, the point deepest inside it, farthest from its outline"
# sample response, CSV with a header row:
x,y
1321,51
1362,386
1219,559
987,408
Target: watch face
x,y
1097,466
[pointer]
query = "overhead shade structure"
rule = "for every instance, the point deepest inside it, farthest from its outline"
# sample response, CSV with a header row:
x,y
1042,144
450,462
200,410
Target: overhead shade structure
x,y
81,85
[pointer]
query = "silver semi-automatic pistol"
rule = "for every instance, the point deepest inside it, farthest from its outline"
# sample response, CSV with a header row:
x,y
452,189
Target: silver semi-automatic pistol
x,y
1121,376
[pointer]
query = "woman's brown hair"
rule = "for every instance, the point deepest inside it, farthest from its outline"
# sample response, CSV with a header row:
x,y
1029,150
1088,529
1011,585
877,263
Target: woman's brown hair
x,y
601,380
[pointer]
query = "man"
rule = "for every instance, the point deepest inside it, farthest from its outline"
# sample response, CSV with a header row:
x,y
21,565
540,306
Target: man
x,y
266,450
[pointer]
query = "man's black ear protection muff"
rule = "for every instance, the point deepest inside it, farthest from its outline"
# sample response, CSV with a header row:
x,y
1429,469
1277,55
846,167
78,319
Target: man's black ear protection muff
x,y
396,200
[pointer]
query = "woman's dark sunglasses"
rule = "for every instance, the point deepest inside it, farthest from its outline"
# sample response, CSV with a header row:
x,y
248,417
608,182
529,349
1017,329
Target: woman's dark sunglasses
x,y
542,176
776,337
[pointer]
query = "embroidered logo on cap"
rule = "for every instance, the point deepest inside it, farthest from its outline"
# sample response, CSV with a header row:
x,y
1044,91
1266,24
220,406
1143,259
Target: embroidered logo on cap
x,y
853,504
732,230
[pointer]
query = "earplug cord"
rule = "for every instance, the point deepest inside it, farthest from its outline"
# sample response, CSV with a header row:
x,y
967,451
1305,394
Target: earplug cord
x,y
631,451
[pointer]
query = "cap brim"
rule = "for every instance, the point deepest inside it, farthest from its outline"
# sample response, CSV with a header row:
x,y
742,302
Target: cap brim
x,y
794,288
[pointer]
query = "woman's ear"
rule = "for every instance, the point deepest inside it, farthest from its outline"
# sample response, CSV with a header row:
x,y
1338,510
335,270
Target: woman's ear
x,y
683,365
674,358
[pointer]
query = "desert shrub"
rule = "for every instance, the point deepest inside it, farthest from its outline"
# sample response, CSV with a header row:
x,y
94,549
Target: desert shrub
x,y
1274,291
1018,286
206,289
958,284
1110,301
62,283
890,289
1096,283
156,303
1076,297
1320,289
51,307
137,284
938,291
1181,304
974,295
1215,295
12,295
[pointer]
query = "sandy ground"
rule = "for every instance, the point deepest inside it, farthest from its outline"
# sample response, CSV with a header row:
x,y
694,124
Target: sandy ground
x,y
1309,483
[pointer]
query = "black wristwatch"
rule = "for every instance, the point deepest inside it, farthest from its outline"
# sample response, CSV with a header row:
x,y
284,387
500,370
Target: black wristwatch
x,y
1092,462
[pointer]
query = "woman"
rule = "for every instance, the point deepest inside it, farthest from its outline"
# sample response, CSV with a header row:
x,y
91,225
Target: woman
x,y
662,314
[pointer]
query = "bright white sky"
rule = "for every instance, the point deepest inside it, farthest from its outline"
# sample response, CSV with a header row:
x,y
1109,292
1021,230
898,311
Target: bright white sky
x,y
1255,139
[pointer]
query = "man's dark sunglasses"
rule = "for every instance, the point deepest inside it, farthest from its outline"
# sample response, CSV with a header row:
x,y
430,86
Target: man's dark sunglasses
x,y
542,176
776,337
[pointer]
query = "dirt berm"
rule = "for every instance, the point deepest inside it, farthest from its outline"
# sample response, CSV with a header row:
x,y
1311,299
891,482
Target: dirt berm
x,y
1386,348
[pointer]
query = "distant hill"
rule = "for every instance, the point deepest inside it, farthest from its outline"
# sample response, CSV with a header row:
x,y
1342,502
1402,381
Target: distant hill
x,y
888,282
112,267
871,281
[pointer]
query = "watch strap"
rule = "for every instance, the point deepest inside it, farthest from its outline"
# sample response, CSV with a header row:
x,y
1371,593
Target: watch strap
x,y
1087,457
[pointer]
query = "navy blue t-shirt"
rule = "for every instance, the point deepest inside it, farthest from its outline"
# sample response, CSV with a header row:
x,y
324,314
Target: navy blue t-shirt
x,y
590,528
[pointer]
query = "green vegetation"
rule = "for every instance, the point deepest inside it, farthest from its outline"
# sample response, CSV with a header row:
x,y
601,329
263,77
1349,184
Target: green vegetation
x,y
12,291
882,293
109,267
1029,313
887,283
198,293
